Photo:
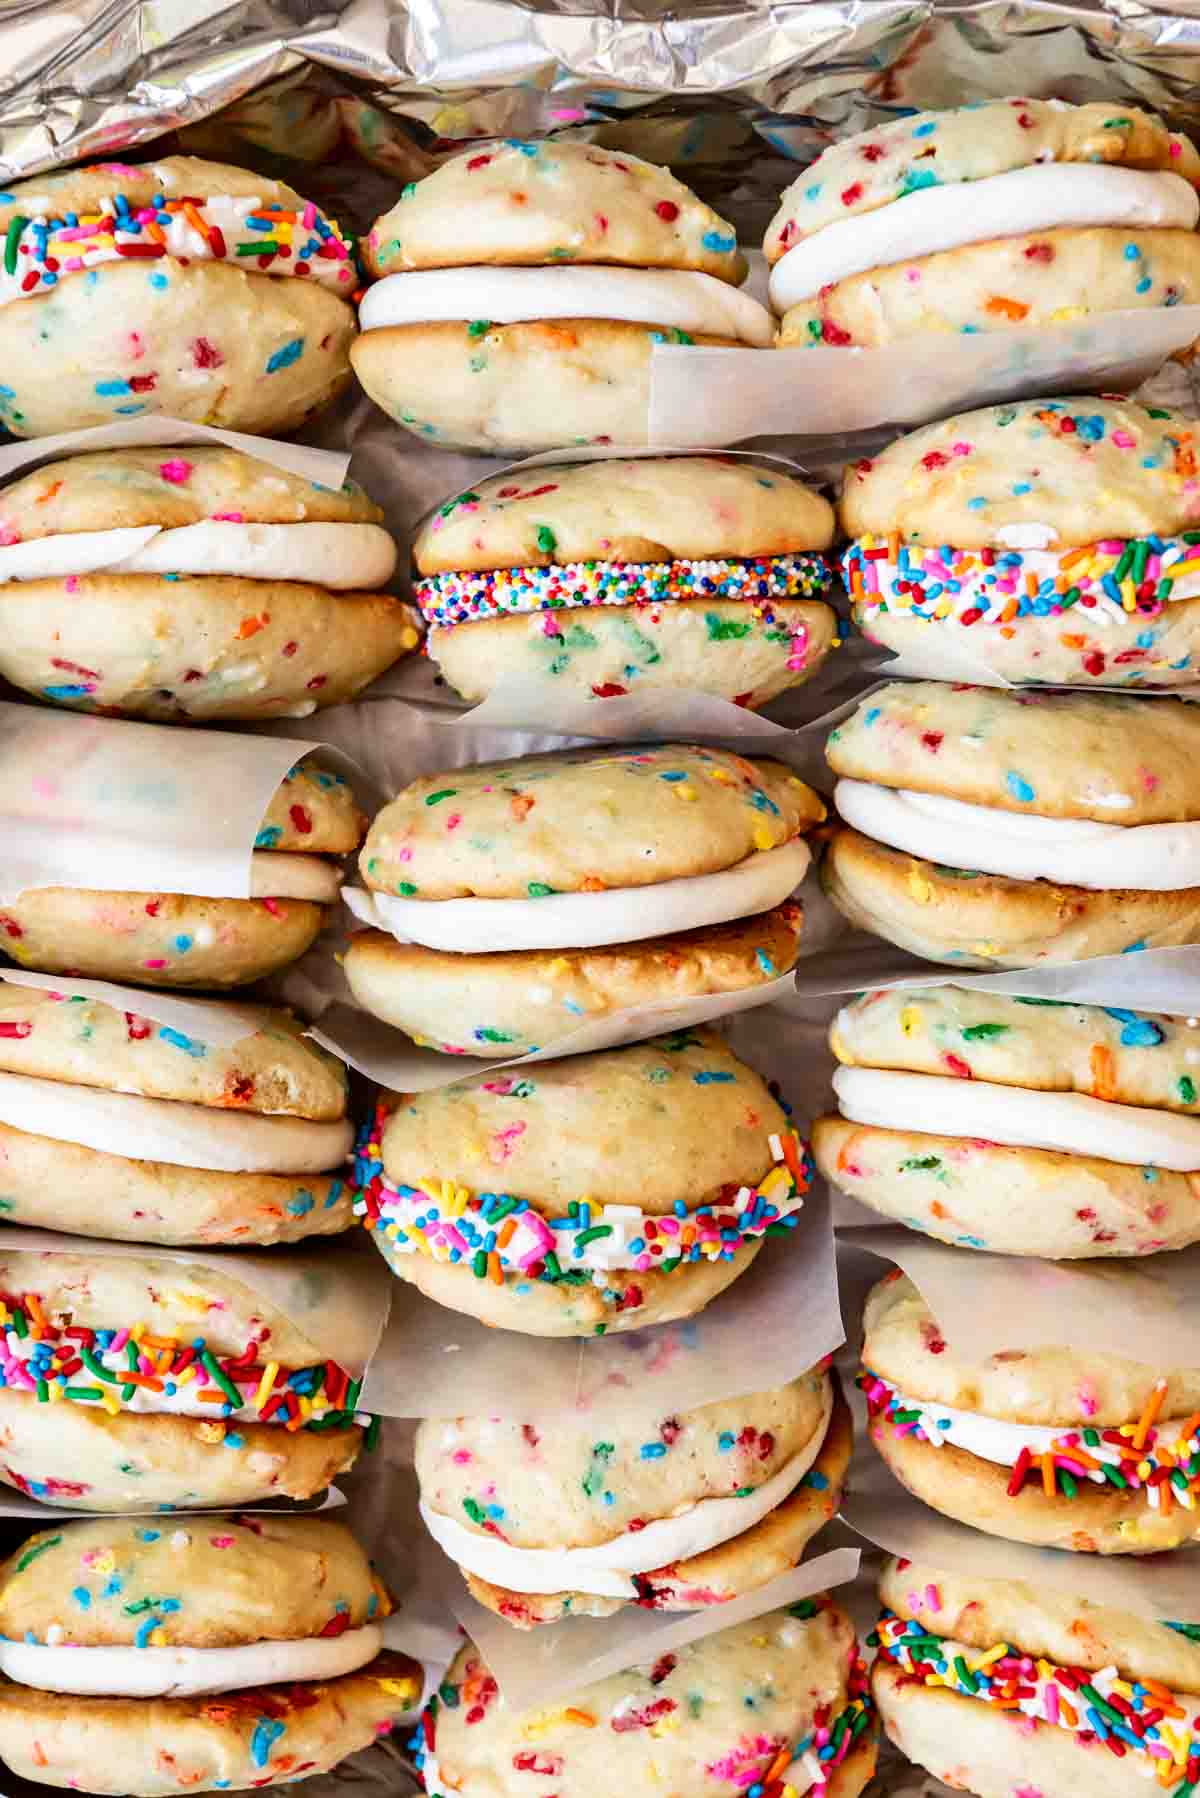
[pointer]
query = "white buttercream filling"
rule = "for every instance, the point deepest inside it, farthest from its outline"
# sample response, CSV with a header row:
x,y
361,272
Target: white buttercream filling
x,y
278,874
327,555
1069,1123
588,920
1158,858
129,1672
606,1570
169,1130
1046,197
679,299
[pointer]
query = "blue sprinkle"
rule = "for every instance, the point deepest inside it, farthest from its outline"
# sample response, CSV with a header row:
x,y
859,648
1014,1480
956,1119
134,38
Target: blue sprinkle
x,y
111,389
976,505
283,358
765,964
82,1597
266,1732
1019,787
302,1203
151,1535
232,1439
268,836
1132,253
713,1079
1022,487
652,1451
926,130
717,240
810,193
159,281
178,1040
127,412
1139,1032
66,692
816,1480
1132,948
874,713
726,1440
183,944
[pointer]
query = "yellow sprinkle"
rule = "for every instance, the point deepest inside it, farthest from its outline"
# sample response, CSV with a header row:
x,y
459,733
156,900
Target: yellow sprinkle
x,y
110,1404
1065,313
993,1654
1128,595
158,1638
193,1301
763,837
682,790
910,1017
560,965
918,886
399,1688
189,1373
106,1562
265,1384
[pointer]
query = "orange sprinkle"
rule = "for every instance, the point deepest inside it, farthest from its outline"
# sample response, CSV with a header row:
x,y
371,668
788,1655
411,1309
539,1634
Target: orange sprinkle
x,y
1010,611
778,1767
33,1306
1160,1694
250,627
1066,563
506,1232
1048,1475
154,231
1072,640
1104,1085
1068,1709
1189,1428
39,1755
584,1718
210,1395
1000,307
495,1271
129,1378
1031,586
1154,1405
893,544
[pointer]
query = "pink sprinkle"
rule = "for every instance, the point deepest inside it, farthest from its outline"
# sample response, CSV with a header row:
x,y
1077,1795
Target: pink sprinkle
x,y
222,1541
119,1341
913,275
1123,439
72,583
308,217
274,907
453,821
74,263
933,1598
229,518
1176,149
177,471
960,449
550,625
154,964
460,1457
404,855
503,1140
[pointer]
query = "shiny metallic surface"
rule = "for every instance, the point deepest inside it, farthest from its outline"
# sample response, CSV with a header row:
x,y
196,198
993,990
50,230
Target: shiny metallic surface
x,y
708,84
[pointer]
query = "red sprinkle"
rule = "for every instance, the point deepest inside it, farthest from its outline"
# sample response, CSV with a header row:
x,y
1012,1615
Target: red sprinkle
x,y
667,209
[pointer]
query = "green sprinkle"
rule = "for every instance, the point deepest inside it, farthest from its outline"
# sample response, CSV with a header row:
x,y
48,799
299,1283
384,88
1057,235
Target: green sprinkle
x,y
538,889
479,1265
39,1548
1068,1484
219,1377
406,888
982,1033
920,1164
478,327
97,1367
547,542
966,1677
553,1268
1186,1089
89,1394
12,238
442,793
267,247
592,1235
474,1510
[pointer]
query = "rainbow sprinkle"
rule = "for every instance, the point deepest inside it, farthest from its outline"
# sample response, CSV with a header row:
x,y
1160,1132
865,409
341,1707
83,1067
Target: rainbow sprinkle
x,y
1163,1463
1115,577
111,1368
453,598
274,240
1123,1714
497,1234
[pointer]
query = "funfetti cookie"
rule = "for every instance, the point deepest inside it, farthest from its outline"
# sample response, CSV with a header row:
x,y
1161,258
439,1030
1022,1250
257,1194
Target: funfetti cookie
x,y
779,1703
1093,1453
521,288
1010,212
511,1003
200,1653
135,1382
611,577
1053,541
585,847
193,583
674,1512
189,940
990,828
583,1196
1001,1686
114,1125
1025,1126
181,287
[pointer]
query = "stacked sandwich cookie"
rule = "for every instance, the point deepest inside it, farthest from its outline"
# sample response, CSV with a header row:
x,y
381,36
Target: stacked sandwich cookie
x,y
1095,1453
193,583
778,1705
192,940
520,289
181,287
114,1125
1047,541
1000,1686
1012,212
531,896
612,577
996,829
195,1654
673,1513
137,1382
638,1183
1024,1126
